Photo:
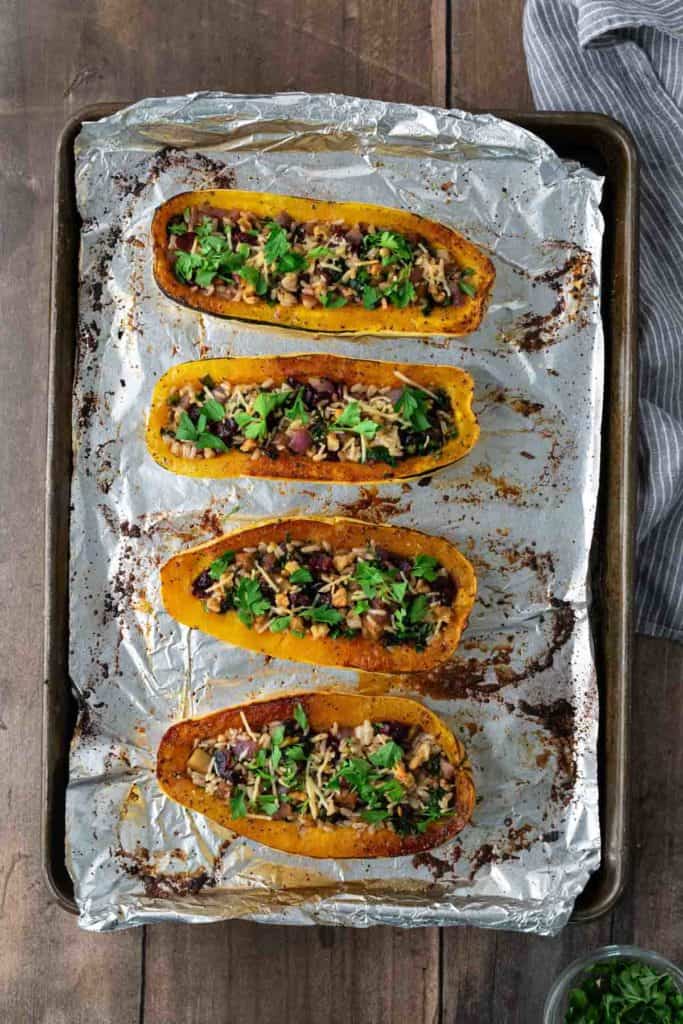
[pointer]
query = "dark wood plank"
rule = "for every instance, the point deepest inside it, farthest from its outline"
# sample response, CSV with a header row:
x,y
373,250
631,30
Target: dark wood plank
x,y
57,58
487,67
652,913
48,969
274,974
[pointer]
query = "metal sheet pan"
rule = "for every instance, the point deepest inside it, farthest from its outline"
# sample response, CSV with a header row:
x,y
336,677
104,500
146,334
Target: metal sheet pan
x,y
597,143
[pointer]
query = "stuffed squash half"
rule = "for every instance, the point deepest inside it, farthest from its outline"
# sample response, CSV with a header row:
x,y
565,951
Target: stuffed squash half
x,y
310,417
323,774
318,266
328,591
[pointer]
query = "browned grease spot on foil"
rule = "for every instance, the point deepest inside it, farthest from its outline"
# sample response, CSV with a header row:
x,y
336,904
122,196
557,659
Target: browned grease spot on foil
x,y
570,282
503,488
373,508
437,867
162,885
475,677
200,172
558,719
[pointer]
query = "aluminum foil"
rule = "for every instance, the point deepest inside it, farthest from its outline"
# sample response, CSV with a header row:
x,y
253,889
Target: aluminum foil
x,y
521,690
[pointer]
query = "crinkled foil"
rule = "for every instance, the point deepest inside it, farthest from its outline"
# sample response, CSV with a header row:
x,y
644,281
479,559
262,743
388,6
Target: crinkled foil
x,y
521,690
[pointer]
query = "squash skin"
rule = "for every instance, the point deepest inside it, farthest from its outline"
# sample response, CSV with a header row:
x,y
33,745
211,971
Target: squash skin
x,y
359,653
457,383
322,709
452,321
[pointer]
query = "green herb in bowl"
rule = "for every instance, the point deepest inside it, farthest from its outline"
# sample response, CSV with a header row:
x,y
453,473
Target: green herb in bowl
x,y
625,992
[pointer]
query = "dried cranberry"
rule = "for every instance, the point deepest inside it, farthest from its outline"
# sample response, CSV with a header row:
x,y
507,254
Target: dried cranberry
x,y
244,236
225,429
224,762
320,561
202,584
283,219
194,412
445,588
396,731
186,241
310,396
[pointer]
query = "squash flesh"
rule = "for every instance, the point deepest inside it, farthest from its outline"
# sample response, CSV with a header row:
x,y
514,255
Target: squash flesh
x,y
456,383
179,572
411,320
322,708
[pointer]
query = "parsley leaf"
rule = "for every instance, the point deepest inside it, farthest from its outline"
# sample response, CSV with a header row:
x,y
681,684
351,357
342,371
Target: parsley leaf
x,y
412,405
301,719
374,815
399,248
297,410
213,410
268,804
280,624
320,252
186,430
369,578
276,244
380,453
371,296
250,600
387,755
238,804
418,609
466,287
254,277
220,564
291,261
322,613
426,568
350,419
211,441
301,575
331,301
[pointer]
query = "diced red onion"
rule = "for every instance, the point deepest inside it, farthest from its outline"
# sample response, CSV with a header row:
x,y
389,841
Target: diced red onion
x,y
299,441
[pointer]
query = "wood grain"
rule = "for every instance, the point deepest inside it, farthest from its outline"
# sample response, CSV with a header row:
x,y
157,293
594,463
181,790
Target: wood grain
x,y
274,974
487,67
54,59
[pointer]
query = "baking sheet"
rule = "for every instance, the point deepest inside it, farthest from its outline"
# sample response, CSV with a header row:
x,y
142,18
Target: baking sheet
x,y
521,691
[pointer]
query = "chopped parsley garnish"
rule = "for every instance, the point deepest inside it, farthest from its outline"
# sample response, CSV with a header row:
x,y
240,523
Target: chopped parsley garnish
x,y
351,419
300,716
250,600
238,804
322,613
426,567
219,565
187,431
412,405
301,575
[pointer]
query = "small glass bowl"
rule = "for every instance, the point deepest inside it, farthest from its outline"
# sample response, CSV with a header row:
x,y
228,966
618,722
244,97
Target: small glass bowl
x,y
572,976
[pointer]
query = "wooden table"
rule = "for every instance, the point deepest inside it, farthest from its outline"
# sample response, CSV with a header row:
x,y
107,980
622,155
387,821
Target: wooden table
x,y
57,57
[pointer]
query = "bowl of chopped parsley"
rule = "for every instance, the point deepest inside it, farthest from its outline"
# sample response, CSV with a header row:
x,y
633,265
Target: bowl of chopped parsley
x,y
617,985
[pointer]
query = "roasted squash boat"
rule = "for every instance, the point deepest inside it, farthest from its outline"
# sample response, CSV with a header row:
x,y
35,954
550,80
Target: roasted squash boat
x,y
323,774
318,266
329,591
310,417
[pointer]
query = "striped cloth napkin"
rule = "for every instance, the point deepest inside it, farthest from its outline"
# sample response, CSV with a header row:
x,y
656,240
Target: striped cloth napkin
x,y
625,58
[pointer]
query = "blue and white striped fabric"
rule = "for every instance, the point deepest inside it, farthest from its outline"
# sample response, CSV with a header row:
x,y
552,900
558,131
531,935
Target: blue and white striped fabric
x,y
625,58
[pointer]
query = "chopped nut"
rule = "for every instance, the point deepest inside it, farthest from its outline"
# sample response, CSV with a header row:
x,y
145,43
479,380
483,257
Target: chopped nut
x,y
199,761
291,567
342,562
340,598
281,601
319,630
